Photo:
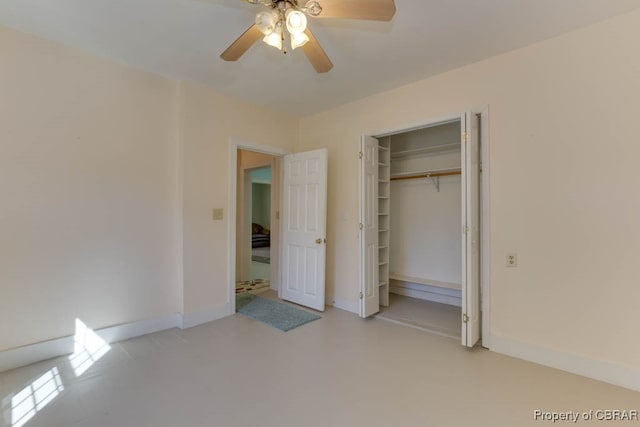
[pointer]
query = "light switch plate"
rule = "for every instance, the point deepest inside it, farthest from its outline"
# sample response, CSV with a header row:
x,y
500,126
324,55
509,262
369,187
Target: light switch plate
x,y
218,214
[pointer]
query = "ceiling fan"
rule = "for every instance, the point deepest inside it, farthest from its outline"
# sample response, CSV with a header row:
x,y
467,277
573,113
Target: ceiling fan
x,y
288,19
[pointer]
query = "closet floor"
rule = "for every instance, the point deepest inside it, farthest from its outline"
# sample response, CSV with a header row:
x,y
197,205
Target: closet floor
x,y
435,317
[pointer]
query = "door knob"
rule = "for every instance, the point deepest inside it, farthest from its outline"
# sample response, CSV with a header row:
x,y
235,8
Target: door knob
x,y
318,241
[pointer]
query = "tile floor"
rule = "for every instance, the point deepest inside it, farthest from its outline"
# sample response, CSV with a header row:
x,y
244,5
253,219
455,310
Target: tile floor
x,y
337,371
438,318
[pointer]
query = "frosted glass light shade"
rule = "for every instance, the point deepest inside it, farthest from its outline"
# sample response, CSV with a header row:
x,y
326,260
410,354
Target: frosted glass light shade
x,y
275,38
296,21
266,22
298,40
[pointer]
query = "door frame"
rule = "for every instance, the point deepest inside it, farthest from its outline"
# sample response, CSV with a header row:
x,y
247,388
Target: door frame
x,y
485,196
236,144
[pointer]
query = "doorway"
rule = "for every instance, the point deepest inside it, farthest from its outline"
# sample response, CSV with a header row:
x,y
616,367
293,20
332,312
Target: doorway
x,y
257,232
421,199
260,188
297,237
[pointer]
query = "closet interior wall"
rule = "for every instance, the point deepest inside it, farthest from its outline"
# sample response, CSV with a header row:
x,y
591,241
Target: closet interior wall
x,y
420,218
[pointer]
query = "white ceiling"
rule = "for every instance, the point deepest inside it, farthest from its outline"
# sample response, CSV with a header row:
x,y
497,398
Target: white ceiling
x,y
182,39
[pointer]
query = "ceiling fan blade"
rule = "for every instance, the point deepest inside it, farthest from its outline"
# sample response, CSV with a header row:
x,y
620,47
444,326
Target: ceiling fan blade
x,y
242,44
372,10
316,54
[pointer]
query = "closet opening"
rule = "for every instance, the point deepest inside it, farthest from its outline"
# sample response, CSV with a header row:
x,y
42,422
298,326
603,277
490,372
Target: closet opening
x,y
420,220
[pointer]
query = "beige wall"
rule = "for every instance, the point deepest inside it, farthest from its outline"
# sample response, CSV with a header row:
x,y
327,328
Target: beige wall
x,y
208,120
564,149
108,177
88,223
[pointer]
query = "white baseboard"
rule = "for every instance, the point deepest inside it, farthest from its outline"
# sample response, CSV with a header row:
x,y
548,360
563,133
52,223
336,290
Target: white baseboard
x,y
137,329
426,292
22,356
347,305
576,364
194,319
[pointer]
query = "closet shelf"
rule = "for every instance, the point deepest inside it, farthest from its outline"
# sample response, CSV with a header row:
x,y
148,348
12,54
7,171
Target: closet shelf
x,y
423,281
453,146
380,147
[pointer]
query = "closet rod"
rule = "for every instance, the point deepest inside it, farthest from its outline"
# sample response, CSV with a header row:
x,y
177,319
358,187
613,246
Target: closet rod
x,y
426,175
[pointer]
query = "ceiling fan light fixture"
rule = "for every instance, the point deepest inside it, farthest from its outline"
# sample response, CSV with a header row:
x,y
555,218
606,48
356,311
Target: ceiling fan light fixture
x,y
298,40
267,21
296,21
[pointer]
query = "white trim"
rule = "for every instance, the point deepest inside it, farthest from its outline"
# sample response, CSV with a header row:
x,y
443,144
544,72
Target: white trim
x,y
231,231
346,305
236,144
258,148
414,126
126,331
485,229
22,356
576,364
194,319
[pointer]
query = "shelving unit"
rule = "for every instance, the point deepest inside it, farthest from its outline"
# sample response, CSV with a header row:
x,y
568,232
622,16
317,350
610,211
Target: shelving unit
x,y
384,220
435,149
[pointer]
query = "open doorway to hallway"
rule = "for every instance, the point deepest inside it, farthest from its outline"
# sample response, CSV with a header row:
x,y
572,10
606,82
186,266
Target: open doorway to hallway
x,y
257,218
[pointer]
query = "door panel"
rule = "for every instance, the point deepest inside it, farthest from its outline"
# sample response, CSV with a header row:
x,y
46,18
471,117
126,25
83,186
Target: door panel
x,y
304,229
369,286
471,228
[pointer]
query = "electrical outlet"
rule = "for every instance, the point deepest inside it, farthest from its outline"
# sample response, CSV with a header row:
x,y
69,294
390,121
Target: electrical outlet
x,y
512,260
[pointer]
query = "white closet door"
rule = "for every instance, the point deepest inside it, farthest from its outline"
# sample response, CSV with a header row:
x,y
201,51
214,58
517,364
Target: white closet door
x,y
471,230
369,290
304,213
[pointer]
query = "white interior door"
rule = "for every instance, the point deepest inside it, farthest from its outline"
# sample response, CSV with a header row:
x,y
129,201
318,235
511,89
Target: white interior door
x,y
369,289
471,230
304,213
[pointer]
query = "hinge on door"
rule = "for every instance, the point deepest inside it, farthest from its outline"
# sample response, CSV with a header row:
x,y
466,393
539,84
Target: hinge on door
x,y
465,229
465,136
360,155
361,226
361,295
465,318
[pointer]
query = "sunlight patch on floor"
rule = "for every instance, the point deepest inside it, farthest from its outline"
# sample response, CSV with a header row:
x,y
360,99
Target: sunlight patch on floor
x,y
34,397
